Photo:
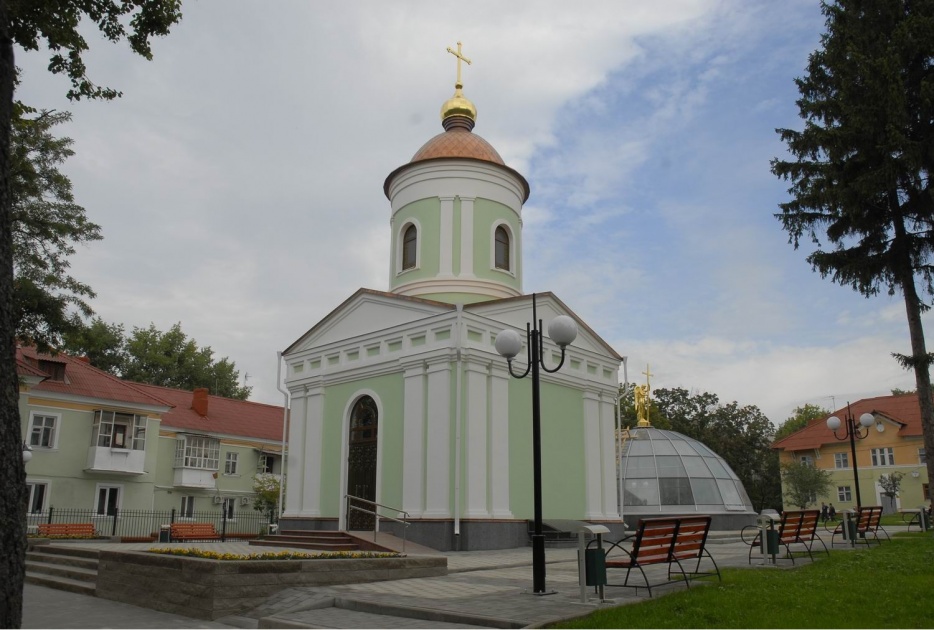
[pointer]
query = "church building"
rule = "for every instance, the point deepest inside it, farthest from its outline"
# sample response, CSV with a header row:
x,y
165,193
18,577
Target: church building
x,y
400,398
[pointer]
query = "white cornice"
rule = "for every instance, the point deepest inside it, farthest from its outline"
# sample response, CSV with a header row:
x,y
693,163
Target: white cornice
x,y
462,178
98,402
473,286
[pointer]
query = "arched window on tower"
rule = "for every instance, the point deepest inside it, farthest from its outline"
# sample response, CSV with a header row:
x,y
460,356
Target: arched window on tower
x,y
409,247
502,248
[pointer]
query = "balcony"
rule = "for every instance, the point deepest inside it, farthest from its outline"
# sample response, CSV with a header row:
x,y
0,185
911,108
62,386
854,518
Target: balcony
x,y
195,478
124,461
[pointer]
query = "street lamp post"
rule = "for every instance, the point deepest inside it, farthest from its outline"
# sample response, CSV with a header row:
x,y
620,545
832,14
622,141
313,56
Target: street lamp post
x,y
27,453
853,433
562,330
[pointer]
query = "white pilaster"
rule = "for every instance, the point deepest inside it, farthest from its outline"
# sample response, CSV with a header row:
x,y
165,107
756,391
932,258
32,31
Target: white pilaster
x,y
413,439
295,475
592,466
476,456
466,237
446,241
438,458
499,441
608,456
314,428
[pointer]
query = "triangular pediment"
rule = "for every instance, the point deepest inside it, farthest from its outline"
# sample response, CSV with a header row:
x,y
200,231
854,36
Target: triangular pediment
x,y
517,312
365,312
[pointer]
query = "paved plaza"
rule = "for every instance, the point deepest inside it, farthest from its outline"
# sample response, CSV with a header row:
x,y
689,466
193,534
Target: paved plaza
x,y
482,589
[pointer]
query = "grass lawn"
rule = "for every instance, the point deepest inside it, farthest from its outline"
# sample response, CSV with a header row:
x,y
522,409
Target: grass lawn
x,y
887,586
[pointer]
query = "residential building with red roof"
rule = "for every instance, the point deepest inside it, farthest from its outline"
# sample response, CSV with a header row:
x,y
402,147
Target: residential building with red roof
x,y
893,443
105,444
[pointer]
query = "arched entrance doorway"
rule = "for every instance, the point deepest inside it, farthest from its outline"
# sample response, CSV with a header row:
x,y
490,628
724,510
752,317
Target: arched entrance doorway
x,y
361,459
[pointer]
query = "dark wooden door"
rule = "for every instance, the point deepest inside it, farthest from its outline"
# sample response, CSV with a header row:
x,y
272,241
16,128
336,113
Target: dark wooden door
x,y
361,461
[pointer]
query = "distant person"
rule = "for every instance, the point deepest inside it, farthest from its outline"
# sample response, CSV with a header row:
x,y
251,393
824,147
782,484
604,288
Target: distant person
x,y
823,512
832,512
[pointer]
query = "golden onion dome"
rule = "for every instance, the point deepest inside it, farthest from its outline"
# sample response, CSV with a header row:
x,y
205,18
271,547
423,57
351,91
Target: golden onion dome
x,y
458,105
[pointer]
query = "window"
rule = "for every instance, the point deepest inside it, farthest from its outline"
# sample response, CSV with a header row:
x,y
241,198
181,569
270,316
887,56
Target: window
x,y
501,248
108,500
807,459
119,430
193,451
843,493
230,464
42,431
409,247
188,507
921,456
37,494
883,456
266,464
364,421
228,507
841,460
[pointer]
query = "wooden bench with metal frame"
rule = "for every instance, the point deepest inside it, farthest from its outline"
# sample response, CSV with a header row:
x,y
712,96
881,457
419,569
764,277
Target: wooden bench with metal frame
x,y
796,527
67,530
868,521
193,531
663,540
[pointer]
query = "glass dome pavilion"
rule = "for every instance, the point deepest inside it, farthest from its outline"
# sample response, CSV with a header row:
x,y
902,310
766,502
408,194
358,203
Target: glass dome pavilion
x,y
665,472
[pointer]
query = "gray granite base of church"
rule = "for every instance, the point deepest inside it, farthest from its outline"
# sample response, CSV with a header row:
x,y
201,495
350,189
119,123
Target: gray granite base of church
x,y
210,589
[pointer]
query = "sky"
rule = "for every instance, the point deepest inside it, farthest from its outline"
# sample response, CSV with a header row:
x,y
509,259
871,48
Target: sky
x,y
238,181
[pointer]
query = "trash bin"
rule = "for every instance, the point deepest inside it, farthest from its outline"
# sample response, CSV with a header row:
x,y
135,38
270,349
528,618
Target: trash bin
x,y
768,535
849,526
923,519
591,562
165,534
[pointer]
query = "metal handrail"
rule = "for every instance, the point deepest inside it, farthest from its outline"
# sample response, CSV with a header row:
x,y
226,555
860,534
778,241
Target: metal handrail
x,y
376,514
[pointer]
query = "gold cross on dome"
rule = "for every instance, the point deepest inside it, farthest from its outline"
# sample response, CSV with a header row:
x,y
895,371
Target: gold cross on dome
x,y
648,376
460,57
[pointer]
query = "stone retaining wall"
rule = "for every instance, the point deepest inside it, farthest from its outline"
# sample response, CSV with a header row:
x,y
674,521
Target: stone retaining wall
x,y
210,589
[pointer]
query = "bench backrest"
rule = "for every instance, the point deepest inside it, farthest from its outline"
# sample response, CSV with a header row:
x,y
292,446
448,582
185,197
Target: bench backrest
x,y
193,528
868,518
666,538
798,525
67,529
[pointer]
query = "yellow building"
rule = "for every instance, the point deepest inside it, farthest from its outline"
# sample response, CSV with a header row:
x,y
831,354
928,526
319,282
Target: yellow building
x,y
892,443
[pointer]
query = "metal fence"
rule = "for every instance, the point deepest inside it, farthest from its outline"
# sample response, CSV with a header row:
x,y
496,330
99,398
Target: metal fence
x,y
146,525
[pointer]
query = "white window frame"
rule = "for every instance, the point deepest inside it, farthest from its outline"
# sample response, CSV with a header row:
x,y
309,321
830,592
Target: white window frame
x,y
266,464
228,506
400,240
187,508
841,460
844,494
884,456
56,419
134,426
922,459
806,459
31,486
197,451
512,248
231,463
97,498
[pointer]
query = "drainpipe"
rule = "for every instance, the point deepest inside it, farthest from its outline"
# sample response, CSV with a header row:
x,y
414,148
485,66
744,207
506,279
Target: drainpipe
x,y
457,430
285,419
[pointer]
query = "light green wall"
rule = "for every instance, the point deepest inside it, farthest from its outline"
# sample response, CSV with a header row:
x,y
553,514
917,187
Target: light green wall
x,y
456,298
427,212
486,213
390,390
563,465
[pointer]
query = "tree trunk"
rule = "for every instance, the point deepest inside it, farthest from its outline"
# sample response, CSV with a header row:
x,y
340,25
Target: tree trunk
x,y
12,471
920,363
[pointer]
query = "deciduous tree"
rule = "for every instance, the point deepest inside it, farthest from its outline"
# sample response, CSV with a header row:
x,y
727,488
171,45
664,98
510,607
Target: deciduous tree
x,y
803,483
799,419
860,169
54,25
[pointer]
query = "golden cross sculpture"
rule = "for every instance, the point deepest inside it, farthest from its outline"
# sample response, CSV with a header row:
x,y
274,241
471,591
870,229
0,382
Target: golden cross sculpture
x,y
460,57
648,376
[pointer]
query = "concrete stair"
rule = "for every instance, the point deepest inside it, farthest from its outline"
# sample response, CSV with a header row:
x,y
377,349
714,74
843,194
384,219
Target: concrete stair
x,y
63,568
310,539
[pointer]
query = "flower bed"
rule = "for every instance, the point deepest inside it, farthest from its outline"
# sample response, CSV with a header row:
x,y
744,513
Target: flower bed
x,y
194,552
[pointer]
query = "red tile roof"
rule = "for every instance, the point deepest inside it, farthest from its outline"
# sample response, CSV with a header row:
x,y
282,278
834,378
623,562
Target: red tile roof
x,y
85,380
225,415
902,409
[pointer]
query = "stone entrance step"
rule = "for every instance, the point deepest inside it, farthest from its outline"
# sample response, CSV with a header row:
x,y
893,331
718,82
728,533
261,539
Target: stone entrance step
x,y
63,568
310,539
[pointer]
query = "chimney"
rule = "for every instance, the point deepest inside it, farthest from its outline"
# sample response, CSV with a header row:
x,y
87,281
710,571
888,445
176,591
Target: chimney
x,y
199,401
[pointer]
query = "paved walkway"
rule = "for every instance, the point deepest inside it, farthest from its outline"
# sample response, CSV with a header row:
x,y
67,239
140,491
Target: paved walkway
x,y
483,589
